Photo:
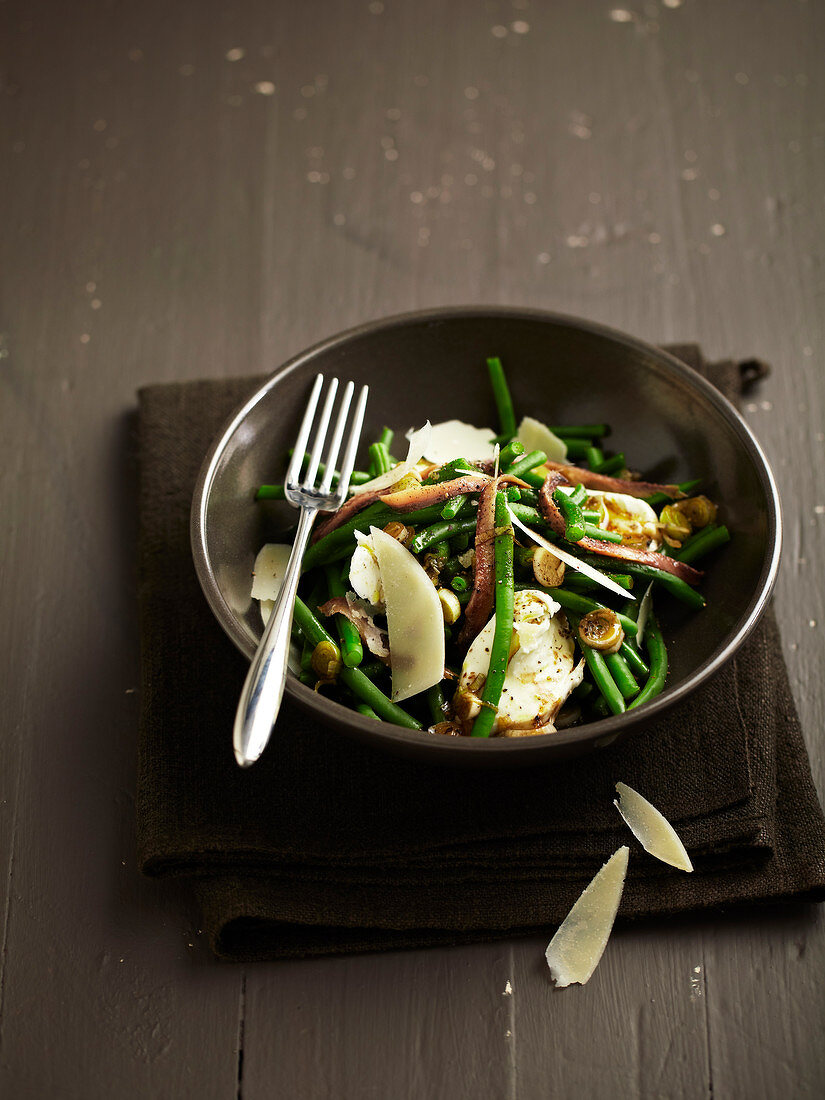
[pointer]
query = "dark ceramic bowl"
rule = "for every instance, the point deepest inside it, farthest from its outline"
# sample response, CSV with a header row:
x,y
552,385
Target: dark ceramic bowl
x,y
671,423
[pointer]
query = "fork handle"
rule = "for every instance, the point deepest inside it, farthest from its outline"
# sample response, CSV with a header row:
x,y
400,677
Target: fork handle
x,y
264,687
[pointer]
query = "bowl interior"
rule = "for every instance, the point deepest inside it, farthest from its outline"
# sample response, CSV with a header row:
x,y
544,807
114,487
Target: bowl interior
x,y
671,425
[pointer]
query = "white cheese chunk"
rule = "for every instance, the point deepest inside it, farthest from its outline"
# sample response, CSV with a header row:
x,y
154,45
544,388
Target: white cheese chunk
x,y
542,671
364,572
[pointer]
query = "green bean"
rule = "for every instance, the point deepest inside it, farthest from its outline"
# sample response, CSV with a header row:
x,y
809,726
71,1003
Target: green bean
x,y
655,499
578,495
439,531
367,711
352,651
530,496
317,593
510,453
603,680
380,462
437,703
327,549
577,448
523,556
657,651
459,584
357,477
386,437
582,583
454,506
702,542
513,494
464,597
583,689
675,585
594,457
354,678
461,542
574,525
270,492
612,466
456,467
634,657
581,431
591,515
534,478
500,647
503,400
593,531
373,669
526,463
423,515
528,515
598,669
622,676
306,657
441,549
599,707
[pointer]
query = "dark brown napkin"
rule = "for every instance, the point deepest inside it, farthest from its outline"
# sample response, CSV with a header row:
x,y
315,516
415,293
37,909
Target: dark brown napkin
x,y
328,846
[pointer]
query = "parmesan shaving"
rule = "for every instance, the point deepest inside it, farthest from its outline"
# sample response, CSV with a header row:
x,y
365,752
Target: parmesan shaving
x,y
537,437
644,613
269,570
651,828
415,622
574,952
417,446
572,561
455,439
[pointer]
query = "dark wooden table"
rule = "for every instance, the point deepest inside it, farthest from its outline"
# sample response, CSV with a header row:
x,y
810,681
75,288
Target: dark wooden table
x,y
198,188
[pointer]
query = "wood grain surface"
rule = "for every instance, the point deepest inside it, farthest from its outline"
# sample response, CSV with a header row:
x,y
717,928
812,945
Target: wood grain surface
x,y
198,188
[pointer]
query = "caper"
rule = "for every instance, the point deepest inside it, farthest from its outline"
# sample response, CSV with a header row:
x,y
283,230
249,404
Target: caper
x,y
674,523
400,531
450,606
447,729
326,660
601,629
699,511
433,564
408,481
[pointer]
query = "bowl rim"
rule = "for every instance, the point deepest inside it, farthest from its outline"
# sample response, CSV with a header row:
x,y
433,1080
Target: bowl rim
x,y
601,732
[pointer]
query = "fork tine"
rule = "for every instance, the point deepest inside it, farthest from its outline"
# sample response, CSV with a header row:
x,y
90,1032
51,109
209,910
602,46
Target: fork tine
x,y
320,436
294,470
335,445
352,444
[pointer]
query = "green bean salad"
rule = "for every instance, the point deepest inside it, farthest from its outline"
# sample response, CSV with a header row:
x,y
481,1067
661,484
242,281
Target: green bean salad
x,y
494,585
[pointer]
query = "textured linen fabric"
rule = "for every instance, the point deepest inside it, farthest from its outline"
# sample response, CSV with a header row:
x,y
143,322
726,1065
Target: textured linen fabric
x,y
329,846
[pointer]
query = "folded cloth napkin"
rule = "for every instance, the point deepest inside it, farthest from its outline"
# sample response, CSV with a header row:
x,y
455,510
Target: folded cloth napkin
x,y
329,846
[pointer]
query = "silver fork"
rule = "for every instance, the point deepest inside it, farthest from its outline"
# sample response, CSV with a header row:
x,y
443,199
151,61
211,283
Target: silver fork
x,y
264,687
